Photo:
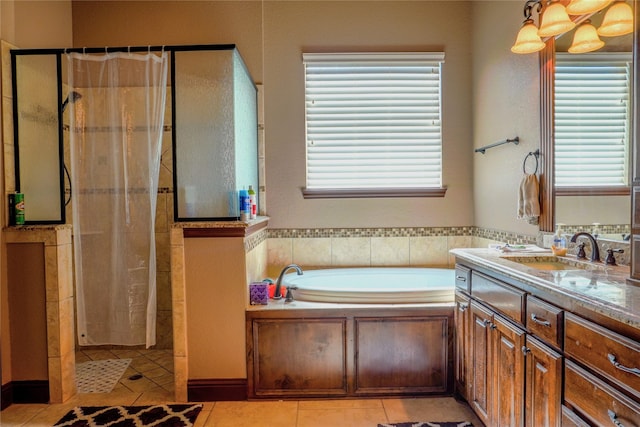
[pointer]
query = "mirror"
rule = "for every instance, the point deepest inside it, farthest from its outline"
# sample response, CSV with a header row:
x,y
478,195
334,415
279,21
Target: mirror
x,y
600,209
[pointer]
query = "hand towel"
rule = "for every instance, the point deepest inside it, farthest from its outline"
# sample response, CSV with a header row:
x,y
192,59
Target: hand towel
x,y
528,199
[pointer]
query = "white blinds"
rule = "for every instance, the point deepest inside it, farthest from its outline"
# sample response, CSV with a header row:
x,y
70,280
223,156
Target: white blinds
x,y
373,120
592,119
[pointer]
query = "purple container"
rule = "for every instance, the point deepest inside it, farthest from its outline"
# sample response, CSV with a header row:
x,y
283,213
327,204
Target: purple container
x,y
259,293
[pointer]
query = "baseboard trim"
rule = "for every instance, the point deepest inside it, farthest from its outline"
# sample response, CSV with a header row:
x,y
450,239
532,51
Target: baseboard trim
x,y
208,390
6,396
29,391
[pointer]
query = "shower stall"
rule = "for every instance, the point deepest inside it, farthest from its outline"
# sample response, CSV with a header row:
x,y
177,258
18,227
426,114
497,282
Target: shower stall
x,y
108,140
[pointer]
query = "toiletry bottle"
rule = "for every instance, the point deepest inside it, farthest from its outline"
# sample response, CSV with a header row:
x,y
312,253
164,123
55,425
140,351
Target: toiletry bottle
x,y
252,203
559,246
244,205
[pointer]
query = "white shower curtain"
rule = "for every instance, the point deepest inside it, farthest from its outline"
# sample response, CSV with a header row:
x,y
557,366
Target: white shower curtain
x,y
116,125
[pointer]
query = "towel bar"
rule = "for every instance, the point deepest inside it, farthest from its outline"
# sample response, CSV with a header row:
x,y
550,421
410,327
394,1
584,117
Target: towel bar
x,y
515,140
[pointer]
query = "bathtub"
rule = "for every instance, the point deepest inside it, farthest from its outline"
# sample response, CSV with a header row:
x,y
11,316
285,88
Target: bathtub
x,y
380,285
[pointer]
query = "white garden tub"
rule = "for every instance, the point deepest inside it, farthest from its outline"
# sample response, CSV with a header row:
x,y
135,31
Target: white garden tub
x,y
373,285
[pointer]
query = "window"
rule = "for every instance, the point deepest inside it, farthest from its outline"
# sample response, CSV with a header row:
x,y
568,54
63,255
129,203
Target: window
x,y
373,124
592,117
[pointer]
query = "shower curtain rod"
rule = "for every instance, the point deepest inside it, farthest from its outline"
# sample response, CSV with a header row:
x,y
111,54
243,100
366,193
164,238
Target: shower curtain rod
x,y
109,49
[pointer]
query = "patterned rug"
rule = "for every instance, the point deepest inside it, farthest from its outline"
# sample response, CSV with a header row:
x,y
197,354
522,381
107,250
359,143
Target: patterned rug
x,y
100,376
131,416
428,424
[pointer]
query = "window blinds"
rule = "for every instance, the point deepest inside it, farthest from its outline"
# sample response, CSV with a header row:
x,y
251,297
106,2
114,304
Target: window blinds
x,y
373,120
592,112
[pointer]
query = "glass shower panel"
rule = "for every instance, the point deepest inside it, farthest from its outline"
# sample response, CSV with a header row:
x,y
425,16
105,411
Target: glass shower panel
x,y
245,126
215,156
38,152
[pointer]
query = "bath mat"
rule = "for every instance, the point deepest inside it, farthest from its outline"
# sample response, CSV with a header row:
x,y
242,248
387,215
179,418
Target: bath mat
x,y
428,424
125,416
100,376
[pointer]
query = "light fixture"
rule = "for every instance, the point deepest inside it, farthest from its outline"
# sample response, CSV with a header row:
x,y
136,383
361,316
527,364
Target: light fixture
x,y
583,7
528,40
617,21
555,20
585,39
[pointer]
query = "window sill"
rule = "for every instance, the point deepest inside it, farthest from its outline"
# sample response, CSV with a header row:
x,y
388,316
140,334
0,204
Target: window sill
x,y
592,191
338,193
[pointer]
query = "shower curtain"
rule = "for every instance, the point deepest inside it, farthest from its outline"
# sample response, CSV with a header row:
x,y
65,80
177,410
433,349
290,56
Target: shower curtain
x,y
117,109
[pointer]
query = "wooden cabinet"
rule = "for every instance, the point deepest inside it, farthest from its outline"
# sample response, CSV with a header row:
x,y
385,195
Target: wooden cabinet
x,y
612,355
461,343
507,341
350,352
481,373
543,381
597,401
525,361
509,377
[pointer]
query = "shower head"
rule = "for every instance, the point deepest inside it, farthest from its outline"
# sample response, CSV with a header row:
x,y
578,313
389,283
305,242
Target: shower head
x,y
72,97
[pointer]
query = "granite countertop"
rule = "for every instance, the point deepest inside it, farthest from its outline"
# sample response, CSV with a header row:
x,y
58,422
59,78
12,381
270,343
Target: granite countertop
x,y
220,224
597,287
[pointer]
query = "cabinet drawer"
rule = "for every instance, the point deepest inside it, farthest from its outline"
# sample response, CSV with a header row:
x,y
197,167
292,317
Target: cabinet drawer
x,y
463,278
545,321
570,419
597,401
607,352
502,297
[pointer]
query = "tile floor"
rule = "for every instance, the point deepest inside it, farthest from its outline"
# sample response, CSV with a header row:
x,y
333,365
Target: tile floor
x,y
156,387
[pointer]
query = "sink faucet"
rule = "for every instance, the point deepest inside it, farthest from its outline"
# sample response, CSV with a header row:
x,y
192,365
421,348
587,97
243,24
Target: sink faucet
x,y
595,252
278,294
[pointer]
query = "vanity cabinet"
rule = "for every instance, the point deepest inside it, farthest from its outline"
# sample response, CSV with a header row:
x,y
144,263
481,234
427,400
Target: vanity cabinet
x,y
513,378
536,357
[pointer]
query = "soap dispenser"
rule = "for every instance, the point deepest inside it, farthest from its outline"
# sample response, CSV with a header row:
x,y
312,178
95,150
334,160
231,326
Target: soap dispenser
x,y
559,246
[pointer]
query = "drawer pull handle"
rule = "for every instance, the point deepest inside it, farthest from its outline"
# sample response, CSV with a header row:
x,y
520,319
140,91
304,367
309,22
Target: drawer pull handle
x,y
614,418
486,322
463,307
525,350
461,278
540,321
614,362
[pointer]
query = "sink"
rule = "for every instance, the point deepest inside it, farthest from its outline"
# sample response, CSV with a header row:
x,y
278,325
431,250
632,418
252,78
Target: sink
x,y
554,263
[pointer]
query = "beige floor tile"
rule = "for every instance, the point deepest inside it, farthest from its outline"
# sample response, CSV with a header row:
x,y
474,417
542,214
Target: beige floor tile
x,y
340,404
142,364
359,417
18,414
253,414
48,416
428,409
155,396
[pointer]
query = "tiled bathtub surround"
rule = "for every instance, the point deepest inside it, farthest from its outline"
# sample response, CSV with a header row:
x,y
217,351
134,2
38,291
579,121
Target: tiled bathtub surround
x,y
342,247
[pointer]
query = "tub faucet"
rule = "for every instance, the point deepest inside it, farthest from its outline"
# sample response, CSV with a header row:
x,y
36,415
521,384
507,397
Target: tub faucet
x,y
278,293
595,252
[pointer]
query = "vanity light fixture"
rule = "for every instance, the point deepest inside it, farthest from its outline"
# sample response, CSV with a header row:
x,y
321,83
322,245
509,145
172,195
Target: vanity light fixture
x,y
585,39
583,7
555,20
617,21
528,40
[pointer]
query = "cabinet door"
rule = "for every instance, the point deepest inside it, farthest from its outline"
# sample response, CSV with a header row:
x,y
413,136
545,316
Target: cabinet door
x,y
507,340
480,364
544,385
461,319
